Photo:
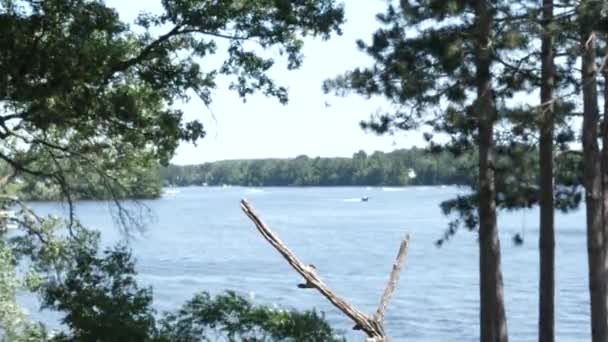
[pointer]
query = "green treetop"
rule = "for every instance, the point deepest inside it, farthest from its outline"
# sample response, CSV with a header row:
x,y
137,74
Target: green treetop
x,y
80,84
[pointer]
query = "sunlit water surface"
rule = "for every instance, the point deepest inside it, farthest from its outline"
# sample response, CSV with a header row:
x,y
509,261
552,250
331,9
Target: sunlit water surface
x,y
198,239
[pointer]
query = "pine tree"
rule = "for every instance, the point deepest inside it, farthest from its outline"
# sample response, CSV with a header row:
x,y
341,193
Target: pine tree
x,y
492,314
546,317
594,202
442,65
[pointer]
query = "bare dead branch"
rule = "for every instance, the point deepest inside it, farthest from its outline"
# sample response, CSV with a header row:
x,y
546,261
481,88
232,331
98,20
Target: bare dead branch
x,y
372,326
308,273
393,279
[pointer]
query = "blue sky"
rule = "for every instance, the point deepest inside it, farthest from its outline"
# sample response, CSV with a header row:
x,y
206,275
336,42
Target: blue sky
x,y
263,128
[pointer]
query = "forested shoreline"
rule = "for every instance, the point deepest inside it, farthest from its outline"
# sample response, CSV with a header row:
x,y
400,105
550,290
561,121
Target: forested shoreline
x,y
401,167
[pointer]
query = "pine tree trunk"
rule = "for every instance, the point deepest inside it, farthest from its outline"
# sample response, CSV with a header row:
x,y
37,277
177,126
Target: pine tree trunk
x,y
593,188
546,320
493,324
604,173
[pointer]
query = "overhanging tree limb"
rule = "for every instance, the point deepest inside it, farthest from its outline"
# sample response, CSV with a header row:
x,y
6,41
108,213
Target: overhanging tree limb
x,y
371,325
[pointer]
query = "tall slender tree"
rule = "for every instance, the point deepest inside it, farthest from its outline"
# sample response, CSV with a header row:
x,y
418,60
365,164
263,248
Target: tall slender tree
x,y
493,324
442,64
546,316
593,172
604,156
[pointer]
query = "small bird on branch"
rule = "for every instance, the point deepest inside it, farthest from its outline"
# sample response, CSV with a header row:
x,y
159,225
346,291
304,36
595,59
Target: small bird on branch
x,y
312,269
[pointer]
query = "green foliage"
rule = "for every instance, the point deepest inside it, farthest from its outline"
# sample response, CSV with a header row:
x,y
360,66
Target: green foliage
x,y
134,179
424,57
14,325
425,65
87,111
37,244
391,169
517,178
102,302
86,99
238,320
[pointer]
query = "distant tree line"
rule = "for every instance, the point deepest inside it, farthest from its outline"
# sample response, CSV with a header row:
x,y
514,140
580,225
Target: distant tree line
x,y
413,166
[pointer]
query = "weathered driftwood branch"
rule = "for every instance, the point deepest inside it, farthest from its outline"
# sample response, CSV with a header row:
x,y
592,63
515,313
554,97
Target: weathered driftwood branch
x,y
393,279
373,326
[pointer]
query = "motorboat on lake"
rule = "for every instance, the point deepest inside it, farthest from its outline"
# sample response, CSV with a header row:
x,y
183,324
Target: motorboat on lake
x,y
170,192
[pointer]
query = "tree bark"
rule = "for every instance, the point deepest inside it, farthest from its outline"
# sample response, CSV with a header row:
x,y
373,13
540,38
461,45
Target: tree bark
x,y
604,175
546,317
493,324
593,187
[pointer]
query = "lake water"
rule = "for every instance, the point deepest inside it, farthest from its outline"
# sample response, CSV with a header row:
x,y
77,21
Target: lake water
x,y
199,239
